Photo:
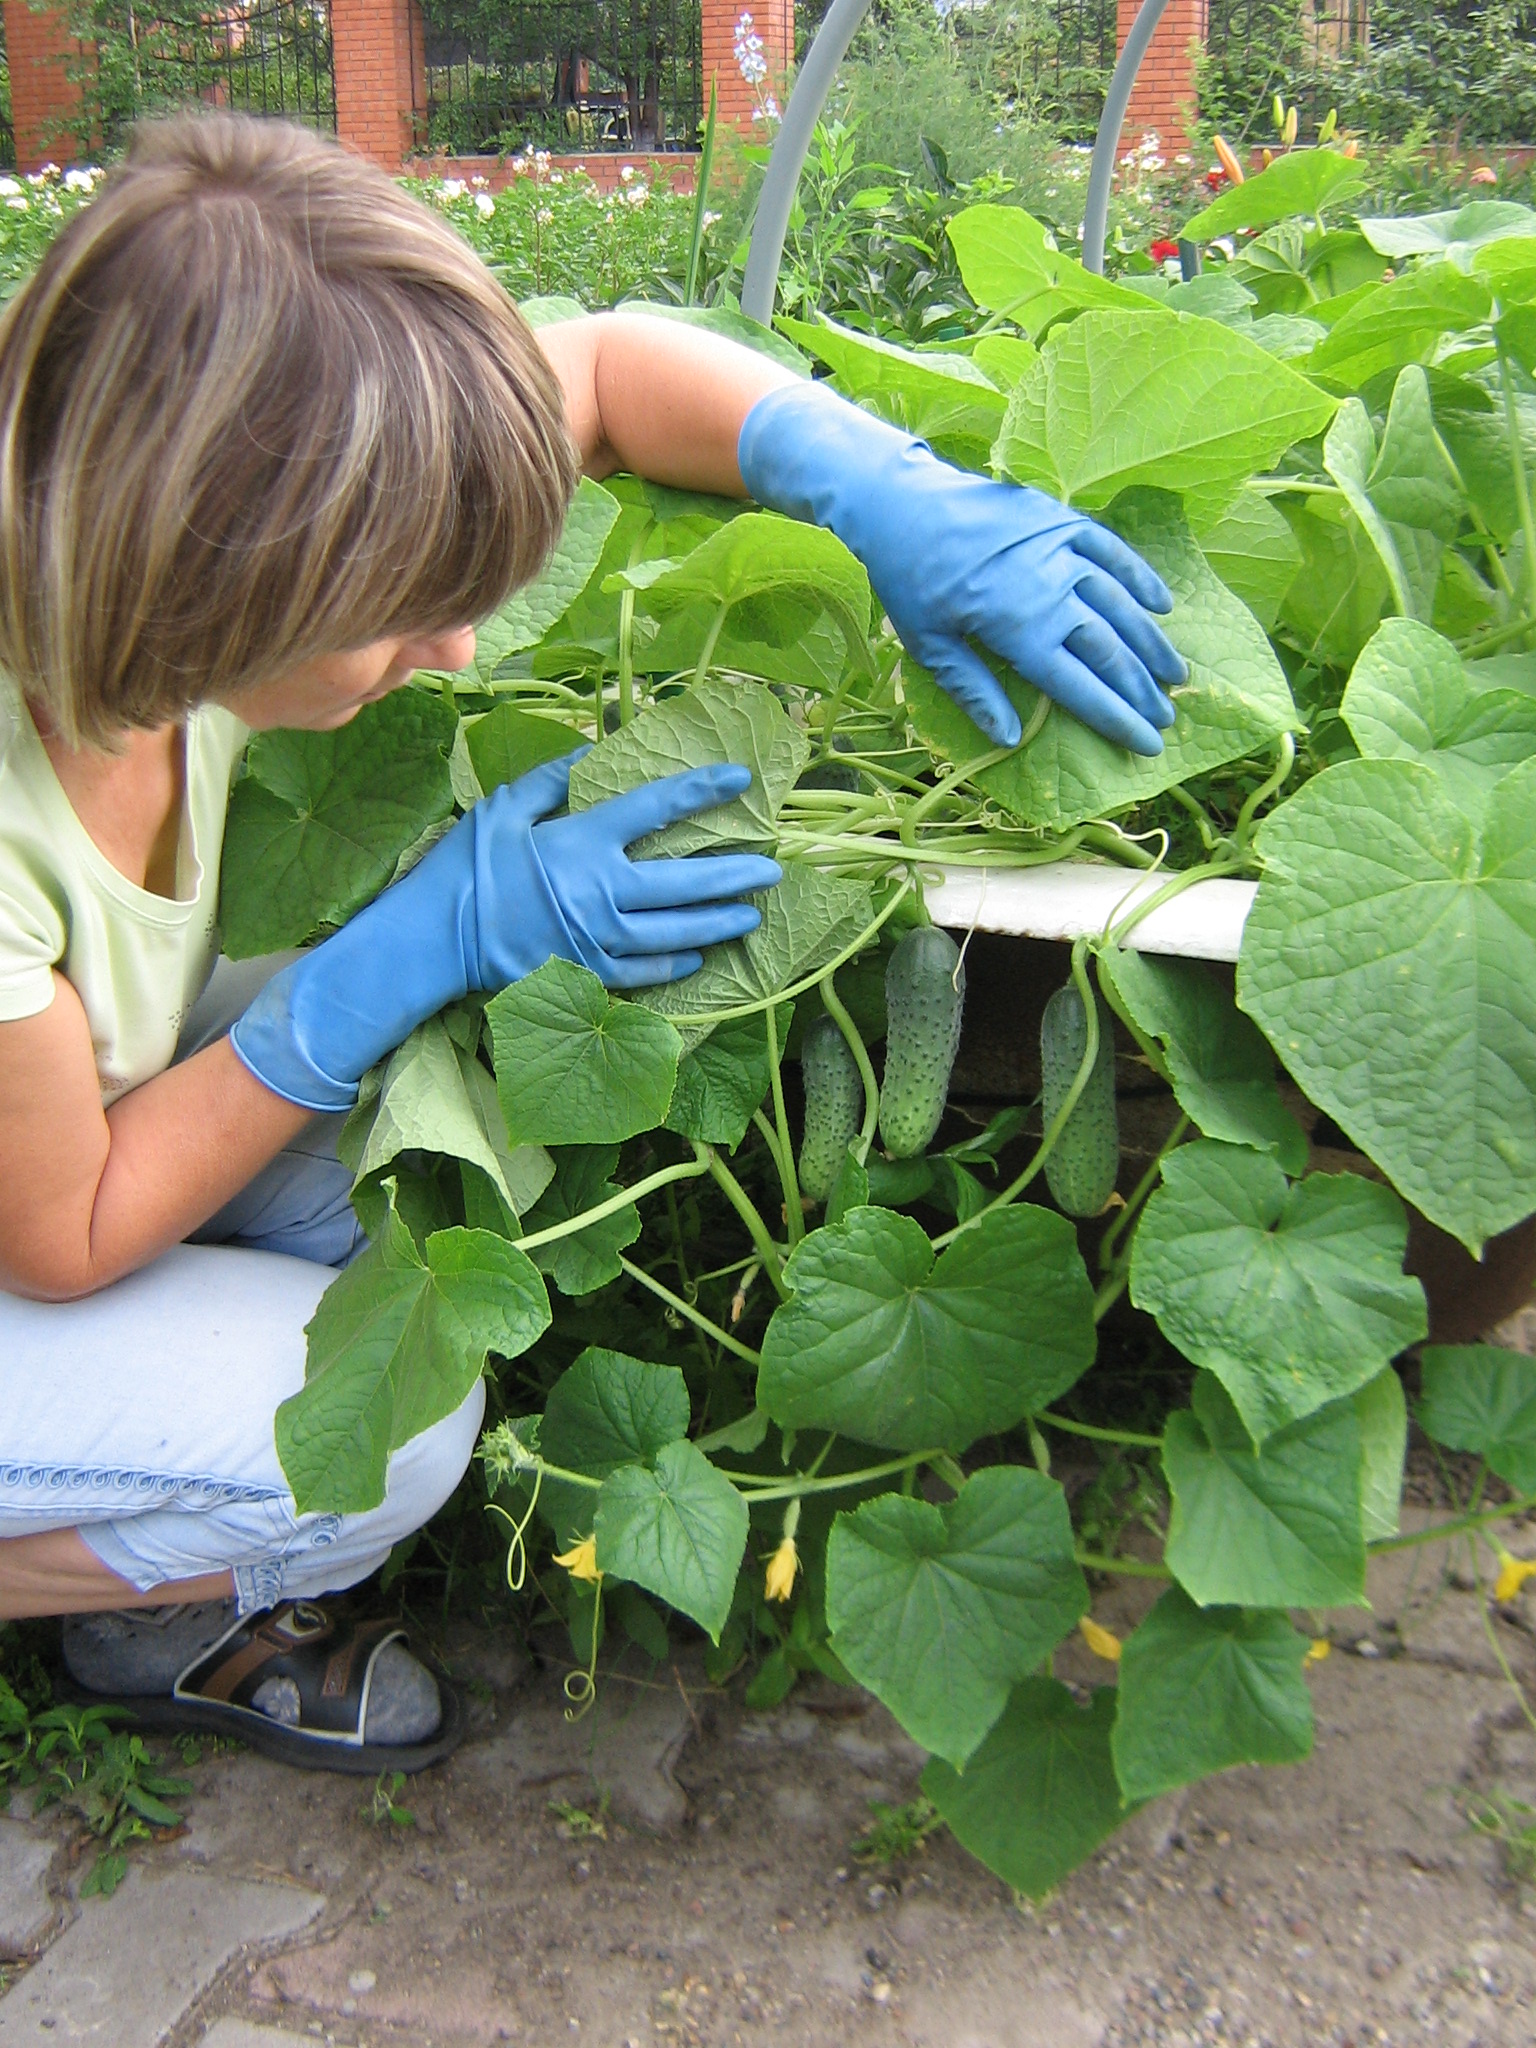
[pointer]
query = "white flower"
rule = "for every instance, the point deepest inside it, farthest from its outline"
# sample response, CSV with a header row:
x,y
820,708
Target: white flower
x,y
544,216
20,204
480,184
80,181
635,195
710,218
454,188
557,177
9,189
485,205
626,172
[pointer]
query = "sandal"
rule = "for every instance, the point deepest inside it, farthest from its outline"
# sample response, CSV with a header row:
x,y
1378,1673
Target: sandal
x,y
330,1660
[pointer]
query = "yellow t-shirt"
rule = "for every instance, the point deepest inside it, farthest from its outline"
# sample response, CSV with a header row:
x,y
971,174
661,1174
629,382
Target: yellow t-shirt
x,y
137,961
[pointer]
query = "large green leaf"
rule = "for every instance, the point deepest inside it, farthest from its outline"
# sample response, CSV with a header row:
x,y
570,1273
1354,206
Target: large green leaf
x,y
609,1409
1301,181
1010,265
807,920
1335,600
1406,497
678,1528
948,400
1235,702
1252,549
507,742
724,1079
940,1610
589,1258
1040,1794
716,721
1275,1527
436,1097
1390,959
1223,1072
530,612
762,555
1410,698
1479,1398
1455,233
1398,323
1162,399
319,819
575,1066
395,1345
885,1343
1292,1295
1204,1688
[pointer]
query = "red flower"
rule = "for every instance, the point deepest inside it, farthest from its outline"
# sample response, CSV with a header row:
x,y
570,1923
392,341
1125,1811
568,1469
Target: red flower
x,y
1215,177
1161,251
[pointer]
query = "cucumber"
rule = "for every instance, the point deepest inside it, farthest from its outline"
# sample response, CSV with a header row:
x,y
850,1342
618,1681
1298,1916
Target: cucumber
x,y
1085,1160
834,1105
924,998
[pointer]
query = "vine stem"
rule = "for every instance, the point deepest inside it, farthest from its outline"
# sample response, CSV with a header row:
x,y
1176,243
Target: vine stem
x,y
1206,871
1517,464
1103,1436
793,1489
693,1315
711,642
799,988
1139,1193
1057,1124
856,1045
746,1209
794,1215
1243,830
1441,1532
687,1169
944,786
1127,1567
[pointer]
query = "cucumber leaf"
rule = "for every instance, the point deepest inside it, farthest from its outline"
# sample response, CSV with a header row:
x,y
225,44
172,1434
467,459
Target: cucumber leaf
x,y
576,1066
589,1258
939,1611
715,721
1406,498
396,1344
530,612
1390,959
1397,323
677,1527
1479,1398
1040,1794
608,1409
1235,702
1410,698
883,1342
318,820
1010,265
1292,1295
436,1097
1166,400
506,743
948,400
1381,1410
1252,549
1204,1688
1454,233
1301,181
1275,1527
724,1079
1221,1068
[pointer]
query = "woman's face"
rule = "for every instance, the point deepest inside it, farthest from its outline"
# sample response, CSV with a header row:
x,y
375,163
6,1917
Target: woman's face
x,y
326,692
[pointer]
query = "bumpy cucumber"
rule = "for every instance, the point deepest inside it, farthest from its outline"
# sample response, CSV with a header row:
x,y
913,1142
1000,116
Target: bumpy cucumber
x,y
1085,1160
834,1106
924,998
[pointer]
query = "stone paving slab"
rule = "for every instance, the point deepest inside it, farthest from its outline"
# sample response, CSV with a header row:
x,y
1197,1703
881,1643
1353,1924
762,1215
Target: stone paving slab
x,y
231,2033
26,1911
128,1968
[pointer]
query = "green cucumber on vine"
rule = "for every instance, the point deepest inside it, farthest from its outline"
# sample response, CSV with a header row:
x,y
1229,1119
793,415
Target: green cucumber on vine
x,y
834,1105
924,1002
1083,1165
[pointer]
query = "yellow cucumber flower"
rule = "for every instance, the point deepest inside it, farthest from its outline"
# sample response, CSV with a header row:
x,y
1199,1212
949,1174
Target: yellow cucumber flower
x,y
1317,1650
782,1567
1513,1573
1102,1641
581,1560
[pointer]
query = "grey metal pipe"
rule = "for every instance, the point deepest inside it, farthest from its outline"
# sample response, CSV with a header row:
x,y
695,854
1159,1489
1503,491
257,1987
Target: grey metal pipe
x,y
1101,172
789,152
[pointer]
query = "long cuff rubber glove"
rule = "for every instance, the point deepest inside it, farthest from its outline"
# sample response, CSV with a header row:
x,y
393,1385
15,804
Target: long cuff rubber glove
x,y
507,889
951,554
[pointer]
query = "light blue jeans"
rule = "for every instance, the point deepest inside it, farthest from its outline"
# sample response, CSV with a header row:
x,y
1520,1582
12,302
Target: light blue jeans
x,y
143,1415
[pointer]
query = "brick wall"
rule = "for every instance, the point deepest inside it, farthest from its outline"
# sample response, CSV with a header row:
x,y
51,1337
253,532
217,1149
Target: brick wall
x,y
38,47
774,21
381,86
1163,98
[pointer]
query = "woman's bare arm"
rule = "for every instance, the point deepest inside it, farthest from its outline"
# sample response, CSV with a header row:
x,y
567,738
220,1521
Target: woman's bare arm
x,y
656,397
87,1196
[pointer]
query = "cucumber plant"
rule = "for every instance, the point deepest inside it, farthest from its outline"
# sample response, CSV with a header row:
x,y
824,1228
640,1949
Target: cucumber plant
x,y
824,1434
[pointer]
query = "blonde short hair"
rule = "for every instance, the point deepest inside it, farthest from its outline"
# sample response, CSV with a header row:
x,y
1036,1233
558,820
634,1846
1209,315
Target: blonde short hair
x,y
257,405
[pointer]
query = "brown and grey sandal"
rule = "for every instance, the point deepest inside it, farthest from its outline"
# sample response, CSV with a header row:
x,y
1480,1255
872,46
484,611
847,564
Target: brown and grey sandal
x,y
329,1661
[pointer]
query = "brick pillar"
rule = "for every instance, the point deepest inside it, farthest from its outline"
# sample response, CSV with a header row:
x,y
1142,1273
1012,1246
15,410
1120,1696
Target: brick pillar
x,y
1163,98
45,101
774,21
379,49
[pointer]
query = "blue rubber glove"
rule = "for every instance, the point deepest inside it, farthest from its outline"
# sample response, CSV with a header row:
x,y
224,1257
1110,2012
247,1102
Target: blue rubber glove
x,y
949,554
507,889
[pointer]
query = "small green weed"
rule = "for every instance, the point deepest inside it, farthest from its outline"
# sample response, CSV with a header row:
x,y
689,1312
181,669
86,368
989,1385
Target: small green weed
x,y
1511,1823
384,1808
107,1778
896,1832
577,1824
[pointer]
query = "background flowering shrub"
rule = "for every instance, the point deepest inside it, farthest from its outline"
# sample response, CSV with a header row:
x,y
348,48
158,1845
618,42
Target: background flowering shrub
x,y
32,210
